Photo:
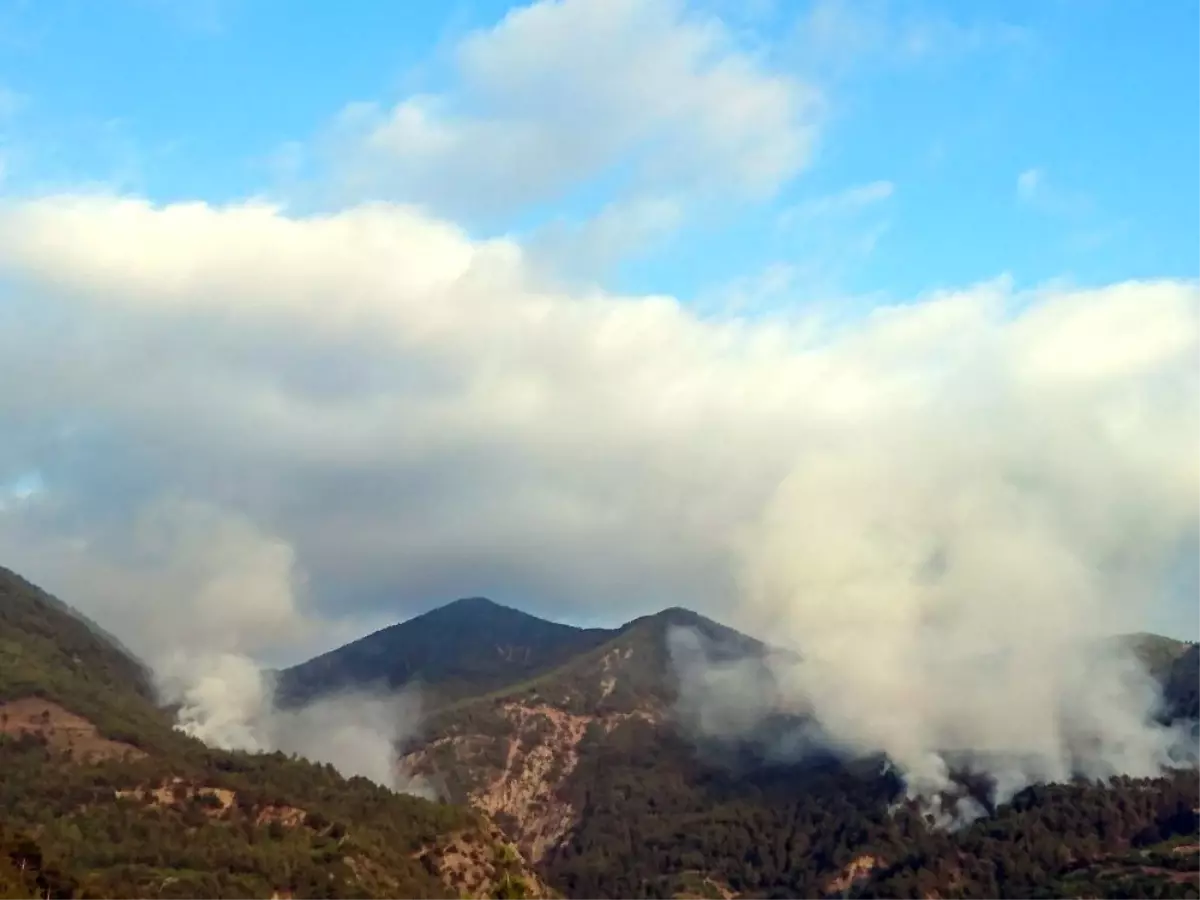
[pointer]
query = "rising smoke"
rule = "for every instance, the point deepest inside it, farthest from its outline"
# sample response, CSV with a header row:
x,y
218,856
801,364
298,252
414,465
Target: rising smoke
x,y
227,701
947,602
942,506
203,594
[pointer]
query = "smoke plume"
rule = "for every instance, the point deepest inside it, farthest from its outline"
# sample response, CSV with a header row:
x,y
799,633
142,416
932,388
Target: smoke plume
x,y
948,595
227,701
941,505
204,595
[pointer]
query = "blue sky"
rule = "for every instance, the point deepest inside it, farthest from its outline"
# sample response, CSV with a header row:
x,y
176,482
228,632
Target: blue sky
x,y
868,327
327,290
203,99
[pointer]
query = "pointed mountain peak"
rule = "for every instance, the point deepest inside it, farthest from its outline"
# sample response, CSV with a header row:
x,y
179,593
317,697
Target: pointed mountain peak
x,y
473,603
727,638
470,645
469,605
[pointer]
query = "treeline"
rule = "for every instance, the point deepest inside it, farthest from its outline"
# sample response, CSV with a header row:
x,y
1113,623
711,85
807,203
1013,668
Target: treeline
x,y
653,817
292,827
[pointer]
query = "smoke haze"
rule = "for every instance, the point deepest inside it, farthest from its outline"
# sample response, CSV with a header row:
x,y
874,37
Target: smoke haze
x,y
948,598
227,701
941,506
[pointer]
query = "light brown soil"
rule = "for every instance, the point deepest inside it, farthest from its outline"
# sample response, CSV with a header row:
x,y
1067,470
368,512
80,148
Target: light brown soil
x,y
526,787
63,731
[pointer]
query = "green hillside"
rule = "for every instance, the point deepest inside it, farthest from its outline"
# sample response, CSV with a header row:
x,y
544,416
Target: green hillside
x,y
468,647
102,798
587,769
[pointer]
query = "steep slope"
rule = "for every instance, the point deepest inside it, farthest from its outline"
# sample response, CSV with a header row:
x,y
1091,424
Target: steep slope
x,y
103,798
516,752
1181,689
1156,652
588,769
48,650
467,647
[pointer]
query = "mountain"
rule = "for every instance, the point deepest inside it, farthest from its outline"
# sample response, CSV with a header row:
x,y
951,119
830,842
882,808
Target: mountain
x,y
1157,652
571,767
102,797
467,647
1182,684
518,753
588,768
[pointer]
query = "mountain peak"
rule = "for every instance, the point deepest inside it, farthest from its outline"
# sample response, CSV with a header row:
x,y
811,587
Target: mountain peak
x,y
714,632
467,606
470,645
473,603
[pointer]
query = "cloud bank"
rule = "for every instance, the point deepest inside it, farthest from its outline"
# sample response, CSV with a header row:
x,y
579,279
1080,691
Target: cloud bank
x,y
349,417
562,92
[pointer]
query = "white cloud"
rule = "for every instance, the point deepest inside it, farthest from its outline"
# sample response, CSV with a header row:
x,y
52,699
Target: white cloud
x,y
1087,228
833,235
380,414
1029,184
564,91
11,102
1038,191
836,36
620,231
203,17
411,416
850,201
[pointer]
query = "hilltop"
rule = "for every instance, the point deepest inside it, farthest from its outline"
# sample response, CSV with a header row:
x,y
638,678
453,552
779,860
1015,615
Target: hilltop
x,y
588,768
569,766
464,648
103,798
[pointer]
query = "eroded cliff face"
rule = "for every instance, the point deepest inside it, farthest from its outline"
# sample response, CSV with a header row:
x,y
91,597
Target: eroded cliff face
x,y
515,775
62,730
484,864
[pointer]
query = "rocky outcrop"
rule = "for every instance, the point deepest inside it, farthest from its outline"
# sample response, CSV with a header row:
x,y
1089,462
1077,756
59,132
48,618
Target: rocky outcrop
x,y
539,749
62,730
214,801
484,864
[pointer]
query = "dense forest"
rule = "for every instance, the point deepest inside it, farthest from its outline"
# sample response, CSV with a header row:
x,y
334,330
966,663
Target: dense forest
x,y
103,798
657,822
657,814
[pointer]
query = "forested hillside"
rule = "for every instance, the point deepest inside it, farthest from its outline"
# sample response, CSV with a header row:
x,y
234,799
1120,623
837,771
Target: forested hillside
x,y
462,649
102,798
590,770
573,771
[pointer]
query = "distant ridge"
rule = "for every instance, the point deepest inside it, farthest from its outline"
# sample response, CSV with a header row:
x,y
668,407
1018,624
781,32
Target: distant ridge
x,y
471,645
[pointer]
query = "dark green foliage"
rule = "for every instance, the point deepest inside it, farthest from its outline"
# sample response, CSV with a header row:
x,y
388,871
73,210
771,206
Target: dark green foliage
x,y
1182,688
651,812
465,648
658,816
655,820
630,671
99,830
48,650
132,846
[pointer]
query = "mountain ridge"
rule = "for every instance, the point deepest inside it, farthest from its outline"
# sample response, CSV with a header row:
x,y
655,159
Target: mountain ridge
x,y
494,644
103,797
571,773
602,790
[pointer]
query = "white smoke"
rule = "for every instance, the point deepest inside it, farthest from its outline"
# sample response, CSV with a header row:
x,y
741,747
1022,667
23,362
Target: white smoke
x,y
948,574
941,505
227,701
202,593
